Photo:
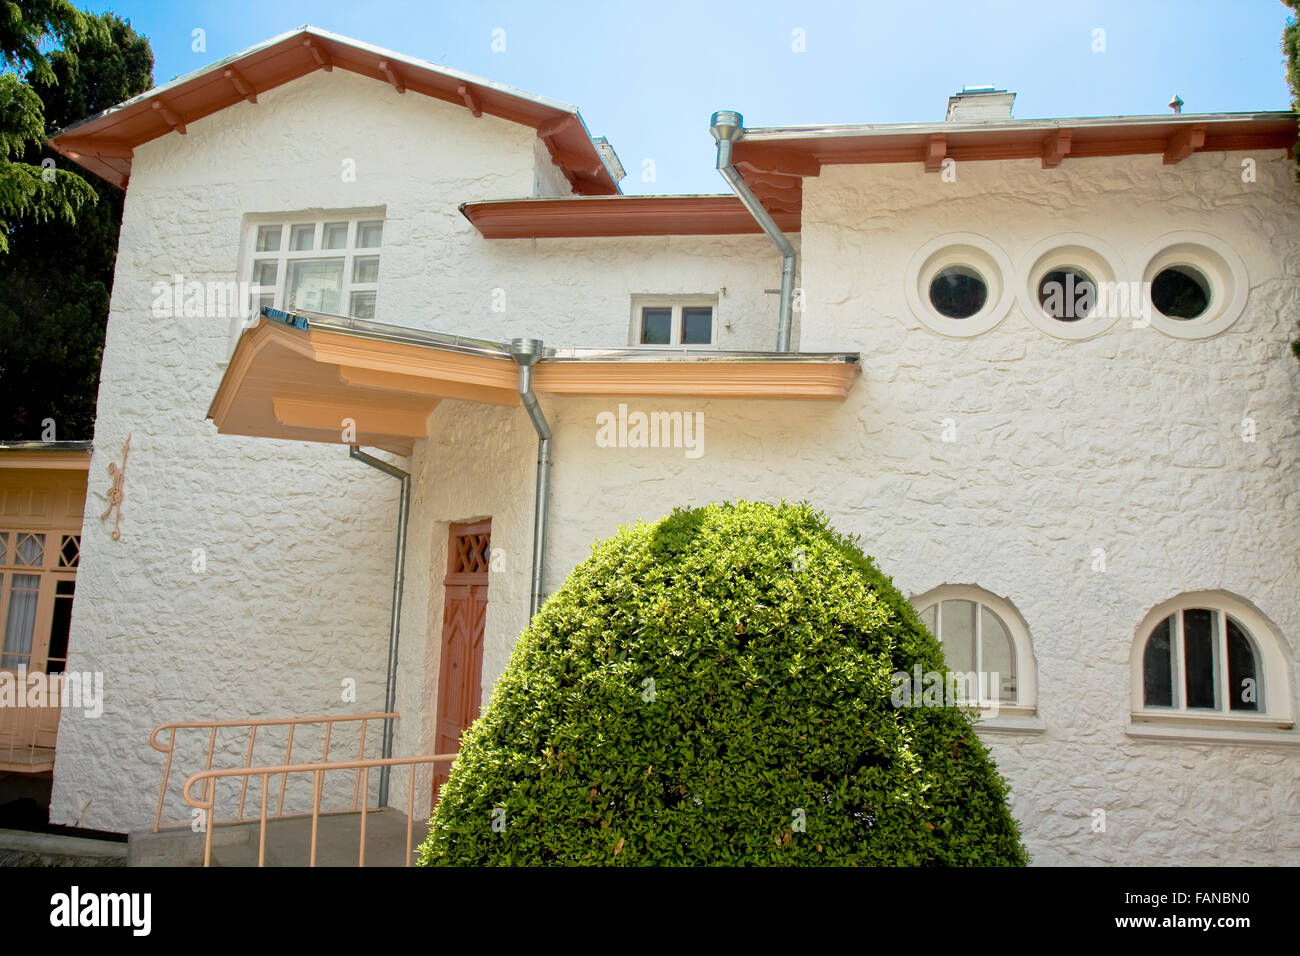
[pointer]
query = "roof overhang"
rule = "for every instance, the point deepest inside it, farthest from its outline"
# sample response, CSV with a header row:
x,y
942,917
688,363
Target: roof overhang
x,y
46,455
105,143
310,377
775,160
599,216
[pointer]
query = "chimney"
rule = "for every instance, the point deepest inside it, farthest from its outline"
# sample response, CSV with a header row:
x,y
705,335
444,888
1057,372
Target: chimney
x,y
980,104
609,157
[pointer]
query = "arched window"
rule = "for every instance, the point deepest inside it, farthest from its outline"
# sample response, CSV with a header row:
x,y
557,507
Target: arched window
x,y
983,634
1210,656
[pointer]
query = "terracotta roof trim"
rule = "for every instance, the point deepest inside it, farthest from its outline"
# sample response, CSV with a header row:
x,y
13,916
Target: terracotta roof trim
x,y
103,143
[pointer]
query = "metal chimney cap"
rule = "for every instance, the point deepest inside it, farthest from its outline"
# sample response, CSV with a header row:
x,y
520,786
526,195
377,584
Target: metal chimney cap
x,y
1176,104
726,125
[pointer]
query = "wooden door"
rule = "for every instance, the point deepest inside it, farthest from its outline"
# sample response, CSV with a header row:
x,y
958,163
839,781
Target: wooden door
x,y
464,614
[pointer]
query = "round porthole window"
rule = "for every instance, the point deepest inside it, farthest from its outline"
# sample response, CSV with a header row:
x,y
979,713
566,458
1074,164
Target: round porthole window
x,y
1067,294
1181,292
1069,288
1194,285
956,285
958,292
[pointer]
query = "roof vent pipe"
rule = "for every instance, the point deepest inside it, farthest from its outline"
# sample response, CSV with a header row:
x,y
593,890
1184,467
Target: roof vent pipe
x,y
527,352
728,126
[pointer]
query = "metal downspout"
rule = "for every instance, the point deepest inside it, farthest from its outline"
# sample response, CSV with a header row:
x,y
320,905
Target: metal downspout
x,y
395,621
727,126
527,352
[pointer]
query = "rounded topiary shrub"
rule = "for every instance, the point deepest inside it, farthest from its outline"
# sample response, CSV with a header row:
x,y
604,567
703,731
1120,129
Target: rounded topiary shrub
x,y
716,688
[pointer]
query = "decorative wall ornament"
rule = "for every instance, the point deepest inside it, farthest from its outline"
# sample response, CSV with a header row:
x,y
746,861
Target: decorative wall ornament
x,y
115,493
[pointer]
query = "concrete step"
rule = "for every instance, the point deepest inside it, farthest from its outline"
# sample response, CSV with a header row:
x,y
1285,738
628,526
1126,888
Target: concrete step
x,y
24,848
288,842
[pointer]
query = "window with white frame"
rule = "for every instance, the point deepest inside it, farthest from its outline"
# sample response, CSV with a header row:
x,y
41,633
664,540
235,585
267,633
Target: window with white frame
x,y
1209,656
689,320
984,636
328,265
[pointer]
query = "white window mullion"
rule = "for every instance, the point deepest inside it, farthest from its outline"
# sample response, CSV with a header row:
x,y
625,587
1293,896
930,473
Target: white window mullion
x,y
1221,662
1180,676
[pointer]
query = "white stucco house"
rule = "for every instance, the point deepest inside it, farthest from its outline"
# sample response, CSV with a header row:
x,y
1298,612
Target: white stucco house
x,y
1041,367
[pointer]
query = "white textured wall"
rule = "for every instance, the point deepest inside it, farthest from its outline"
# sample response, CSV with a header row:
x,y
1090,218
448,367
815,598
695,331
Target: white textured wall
x,y
1130,442
298,538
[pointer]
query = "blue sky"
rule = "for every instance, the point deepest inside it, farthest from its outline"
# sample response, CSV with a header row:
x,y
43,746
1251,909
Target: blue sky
x,y
648,75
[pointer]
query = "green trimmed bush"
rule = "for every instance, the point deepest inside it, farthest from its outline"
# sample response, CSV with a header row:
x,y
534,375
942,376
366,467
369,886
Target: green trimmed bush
x,y
715,689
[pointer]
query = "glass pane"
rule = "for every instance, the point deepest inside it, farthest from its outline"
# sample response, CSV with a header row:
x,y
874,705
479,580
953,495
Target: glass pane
x,y
335,236
57,659
1198,646
958,624
370,234
365,269
1243,671
301,238
928,617
264,273
363,305
958,292
1157,667
656,326
266,302
70,551
314,284
998,656
30,550
697,326
268,238
21,622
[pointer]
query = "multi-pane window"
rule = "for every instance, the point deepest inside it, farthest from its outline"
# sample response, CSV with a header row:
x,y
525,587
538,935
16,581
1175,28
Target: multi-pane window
x,y
673,323
329,266
37,586
975,640
1201,659
986,647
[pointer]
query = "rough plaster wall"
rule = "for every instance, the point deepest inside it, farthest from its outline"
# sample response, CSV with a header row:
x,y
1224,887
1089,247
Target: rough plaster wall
x,y
548,181
479,461
577,291
1130,442
298,538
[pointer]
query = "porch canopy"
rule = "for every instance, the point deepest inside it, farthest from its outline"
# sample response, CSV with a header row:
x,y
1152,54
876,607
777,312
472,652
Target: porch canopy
x,y
303,376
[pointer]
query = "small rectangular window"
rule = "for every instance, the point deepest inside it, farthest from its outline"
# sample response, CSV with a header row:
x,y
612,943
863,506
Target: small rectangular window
x,y
268,239
656,326
302,238
370,234
697,326
365,269
687,321
335,236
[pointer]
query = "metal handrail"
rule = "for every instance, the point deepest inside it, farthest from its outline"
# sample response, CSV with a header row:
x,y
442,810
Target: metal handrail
x,y
169,748
207,802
